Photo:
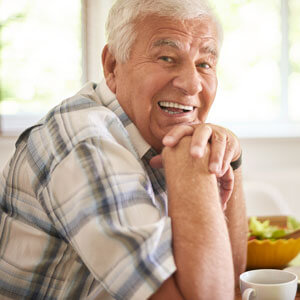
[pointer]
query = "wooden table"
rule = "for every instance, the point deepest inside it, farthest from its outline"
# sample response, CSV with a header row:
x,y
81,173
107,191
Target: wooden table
x,y
239,297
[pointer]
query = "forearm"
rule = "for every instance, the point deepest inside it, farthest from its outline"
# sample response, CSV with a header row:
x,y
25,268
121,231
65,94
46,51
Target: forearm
x,y
200,238
237,225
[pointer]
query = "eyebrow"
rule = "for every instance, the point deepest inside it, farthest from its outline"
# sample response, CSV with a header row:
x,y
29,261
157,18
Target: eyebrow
x,y
167,42
175,44
210,50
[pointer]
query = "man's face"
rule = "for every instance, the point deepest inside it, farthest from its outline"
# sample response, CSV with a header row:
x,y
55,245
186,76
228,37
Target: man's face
x,y
170,78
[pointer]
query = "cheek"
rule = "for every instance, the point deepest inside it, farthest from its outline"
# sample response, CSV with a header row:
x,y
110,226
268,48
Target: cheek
x,y
147,94
210,87
154,79
208,97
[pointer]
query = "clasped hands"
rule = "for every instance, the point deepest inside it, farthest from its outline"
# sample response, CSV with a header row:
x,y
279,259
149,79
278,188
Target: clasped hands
x,y
224,148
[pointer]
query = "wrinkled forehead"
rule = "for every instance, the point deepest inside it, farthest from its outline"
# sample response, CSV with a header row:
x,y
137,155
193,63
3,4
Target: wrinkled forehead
x,y
158,31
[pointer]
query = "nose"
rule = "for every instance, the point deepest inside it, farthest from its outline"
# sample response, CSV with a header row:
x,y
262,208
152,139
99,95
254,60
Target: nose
x,y
188,80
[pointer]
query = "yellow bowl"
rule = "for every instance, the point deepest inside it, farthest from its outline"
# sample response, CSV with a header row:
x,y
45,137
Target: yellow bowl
x,y
272,254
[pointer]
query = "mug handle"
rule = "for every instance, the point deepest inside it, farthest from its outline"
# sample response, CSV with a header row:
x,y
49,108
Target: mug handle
x,y
247,293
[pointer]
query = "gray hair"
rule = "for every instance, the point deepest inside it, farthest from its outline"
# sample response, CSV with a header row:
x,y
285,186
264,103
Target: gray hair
x,y
120,23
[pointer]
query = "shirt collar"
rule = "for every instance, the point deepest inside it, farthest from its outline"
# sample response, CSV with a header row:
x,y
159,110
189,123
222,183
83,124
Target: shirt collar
x,y
108,99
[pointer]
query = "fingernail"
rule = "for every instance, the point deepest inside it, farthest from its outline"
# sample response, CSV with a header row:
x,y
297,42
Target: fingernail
x,y
214,167
197,151
168,140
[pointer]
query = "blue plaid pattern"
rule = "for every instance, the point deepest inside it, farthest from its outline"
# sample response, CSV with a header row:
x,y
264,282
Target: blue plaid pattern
x,y
82,213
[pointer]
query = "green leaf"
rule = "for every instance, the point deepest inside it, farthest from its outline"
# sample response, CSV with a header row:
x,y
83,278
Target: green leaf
x,y
263,230
292,224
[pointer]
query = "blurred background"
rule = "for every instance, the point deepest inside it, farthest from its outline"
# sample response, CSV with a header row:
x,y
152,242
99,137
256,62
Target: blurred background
x,y
49,49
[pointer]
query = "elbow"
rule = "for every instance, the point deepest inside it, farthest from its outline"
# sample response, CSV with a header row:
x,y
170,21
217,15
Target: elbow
x,y
209,285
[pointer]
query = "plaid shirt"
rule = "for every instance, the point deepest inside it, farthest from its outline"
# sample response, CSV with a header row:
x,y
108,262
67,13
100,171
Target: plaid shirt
x,y
82,213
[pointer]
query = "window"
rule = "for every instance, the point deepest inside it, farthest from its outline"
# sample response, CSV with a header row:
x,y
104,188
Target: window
x,y
259,68
43,51
41,58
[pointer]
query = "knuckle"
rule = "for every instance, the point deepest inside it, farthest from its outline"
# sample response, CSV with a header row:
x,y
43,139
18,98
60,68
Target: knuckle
x,y
230,147
207,128
234,149
204,129
219,138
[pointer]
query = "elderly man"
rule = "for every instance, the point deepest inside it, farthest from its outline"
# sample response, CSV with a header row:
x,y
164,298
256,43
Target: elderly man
x,y
84,208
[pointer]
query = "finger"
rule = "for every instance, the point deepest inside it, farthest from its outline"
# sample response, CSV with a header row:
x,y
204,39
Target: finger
x,y
227,158
156,162
232,147
176,134
200,139
218,147
226,184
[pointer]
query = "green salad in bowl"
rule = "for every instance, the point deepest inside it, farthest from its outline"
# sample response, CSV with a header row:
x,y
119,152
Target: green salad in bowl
x,y
272,241
264,230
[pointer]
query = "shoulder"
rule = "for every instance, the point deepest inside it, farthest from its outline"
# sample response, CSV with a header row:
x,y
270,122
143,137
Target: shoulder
x,y
75,120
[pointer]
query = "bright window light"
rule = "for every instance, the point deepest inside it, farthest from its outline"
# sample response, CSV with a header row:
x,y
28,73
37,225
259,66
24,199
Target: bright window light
x,y
294,76
259,68
41,54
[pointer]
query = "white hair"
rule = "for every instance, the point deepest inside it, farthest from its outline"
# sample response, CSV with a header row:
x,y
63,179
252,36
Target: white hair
x,y
120,22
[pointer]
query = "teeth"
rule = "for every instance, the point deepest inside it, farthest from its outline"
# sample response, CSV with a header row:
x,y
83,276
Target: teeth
x,y
175,105
172,112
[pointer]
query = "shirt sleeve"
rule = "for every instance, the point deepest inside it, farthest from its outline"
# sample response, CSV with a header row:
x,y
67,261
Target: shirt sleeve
x,y
100,201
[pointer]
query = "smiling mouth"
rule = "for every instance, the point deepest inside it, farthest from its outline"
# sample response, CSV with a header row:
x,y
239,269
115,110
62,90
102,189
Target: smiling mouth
x,y
175,108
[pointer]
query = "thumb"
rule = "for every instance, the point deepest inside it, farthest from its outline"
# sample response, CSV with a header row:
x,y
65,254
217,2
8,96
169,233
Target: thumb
x,y
156,162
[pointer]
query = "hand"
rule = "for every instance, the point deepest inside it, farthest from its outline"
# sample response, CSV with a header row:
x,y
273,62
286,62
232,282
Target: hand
x,y
225,148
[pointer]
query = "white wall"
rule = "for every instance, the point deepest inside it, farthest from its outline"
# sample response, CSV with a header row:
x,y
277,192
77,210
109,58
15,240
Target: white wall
x,y
275,162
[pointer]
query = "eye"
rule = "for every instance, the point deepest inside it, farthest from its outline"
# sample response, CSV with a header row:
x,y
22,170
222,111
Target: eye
x,y
204,65
166,59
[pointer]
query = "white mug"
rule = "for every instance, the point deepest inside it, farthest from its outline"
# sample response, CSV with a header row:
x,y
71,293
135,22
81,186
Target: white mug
x,y
268,284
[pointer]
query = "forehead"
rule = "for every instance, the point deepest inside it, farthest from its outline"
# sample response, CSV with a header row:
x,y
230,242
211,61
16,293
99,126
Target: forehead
x,y
156,31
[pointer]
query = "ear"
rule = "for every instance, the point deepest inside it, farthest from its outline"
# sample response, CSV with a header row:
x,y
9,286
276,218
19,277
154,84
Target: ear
x,y
109,65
